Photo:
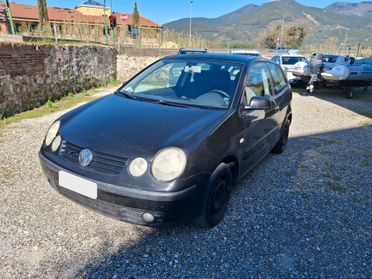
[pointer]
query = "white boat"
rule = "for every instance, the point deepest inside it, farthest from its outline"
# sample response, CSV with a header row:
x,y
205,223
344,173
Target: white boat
x,y
361,70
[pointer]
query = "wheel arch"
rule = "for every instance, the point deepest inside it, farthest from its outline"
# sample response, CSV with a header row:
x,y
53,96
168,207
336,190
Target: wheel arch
x,y
233,163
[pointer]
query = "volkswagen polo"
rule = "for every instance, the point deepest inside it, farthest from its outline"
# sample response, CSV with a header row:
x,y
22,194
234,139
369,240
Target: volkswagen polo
x,y
173,141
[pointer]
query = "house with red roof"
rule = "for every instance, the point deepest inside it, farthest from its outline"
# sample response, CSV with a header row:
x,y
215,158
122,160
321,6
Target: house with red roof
x,y
87,19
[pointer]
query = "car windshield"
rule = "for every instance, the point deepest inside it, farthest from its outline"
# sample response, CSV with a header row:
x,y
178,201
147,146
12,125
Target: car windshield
x,y
186,83
291,60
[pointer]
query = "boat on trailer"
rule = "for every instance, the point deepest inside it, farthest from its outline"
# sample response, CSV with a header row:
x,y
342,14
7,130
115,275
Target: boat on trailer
x,y
345,76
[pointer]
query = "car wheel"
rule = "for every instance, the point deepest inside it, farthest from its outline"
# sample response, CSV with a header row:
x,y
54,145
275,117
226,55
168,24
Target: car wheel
x,y
282,143
217,197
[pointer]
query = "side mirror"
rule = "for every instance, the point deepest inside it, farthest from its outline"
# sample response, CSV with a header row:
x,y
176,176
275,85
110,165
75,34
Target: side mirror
x,y
259,103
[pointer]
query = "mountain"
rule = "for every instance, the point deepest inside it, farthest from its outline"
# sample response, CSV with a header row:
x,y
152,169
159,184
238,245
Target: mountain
x,y
246,25
359,9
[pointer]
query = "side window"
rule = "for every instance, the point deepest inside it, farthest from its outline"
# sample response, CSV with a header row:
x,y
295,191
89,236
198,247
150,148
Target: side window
x,y
258,82
278,78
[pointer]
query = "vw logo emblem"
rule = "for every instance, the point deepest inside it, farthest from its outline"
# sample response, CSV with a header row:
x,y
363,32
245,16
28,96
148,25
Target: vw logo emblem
x,y
85,157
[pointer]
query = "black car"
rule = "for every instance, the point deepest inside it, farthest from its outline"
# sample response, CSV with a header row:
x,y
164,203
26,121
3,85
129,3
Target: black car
x,y
160,151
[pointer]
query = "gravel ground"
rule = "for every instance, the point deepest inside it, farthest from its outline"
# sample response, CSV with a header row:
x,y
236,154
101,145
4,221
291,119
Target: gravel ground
x,y
303,214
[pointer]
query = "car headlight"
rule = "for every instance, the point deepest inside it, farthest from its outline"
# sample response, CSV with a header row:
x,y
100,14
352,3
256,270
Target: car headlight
x,y
168,164
138,167
56,143
52,132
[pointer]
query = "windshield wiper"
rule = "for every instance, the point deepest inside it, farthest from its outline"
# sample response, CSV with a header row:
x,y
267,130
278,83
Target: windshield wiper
x,y
126,94
167,103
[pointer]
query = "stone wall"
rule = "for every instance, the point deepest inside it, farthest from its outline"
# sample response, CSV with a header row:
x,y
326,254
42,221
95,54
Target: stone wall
x,y
128,66
32,74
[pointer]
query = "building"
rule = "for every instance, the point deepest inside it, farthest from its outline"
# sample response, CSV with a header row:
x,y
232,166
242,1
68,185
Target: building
x,y
85,22
92,7
3,23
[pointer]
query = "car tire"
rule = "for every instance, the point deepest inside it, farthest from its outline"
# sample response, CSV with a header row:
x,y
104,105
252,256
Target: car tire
x,y
282,143
217,196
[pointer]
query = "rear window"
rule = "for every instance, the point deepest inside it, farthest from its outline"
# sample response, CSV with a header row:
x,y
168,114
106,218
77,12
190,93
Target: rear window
x,y
278,78
292,60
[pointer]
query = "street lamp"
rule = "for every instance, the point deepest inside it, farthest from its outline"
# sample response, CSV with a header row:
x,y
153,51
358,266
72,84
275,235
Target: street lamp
x,y
191,2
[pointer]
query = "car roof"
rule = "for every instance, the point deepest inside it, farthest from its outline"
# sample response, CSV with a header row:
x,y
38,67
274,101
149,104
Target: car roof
x,y
193,49
245,51
216,56
292,55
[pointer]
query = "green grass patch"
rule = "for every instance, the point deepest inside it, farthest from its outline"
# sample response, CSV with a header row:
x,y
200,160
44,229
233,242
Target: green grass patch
x,y
366,122
68,101
368,154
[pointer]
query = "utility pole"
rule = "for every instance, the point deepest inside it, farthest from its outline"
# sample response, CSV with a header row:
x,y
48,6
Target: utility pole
x,y
358,49
105,21
190,42
10,18
281,33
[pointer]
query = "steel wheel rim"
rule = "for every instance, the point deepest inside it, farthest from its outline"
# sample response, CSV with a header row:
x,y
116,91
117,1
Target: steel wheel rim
x,y
219,197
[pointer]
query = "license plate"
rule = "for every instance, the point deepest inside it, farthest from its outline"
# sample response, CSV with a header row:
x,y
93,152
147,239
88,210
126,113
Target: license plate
x,y
77,184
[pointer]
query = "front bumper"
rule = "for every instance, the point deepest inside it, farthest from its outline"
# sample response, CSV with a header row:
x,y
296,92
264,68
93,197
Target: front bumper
x,y
128,204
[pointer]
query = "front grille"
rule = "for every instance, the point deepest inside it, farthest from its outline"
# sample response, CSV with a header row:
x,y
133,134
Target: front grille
x,y
101,162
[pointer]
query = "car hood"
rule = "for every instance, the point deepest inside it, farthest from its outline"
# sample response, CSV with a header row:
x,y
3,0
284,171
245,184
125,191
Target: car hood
x,y
120,126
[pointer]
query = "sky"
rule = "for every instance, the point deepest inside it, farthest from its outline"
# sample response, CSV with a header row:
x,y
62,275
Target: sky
x,y
163,11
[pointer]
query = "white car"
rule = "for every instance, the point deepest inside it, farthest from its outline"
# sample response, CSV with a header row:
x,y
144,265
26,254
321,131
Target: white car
x,y
246,52
288,62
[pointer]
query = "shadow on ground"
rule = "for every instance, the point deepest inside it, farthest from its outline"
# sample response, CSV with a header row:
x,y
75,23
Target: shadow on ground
x,y
303,214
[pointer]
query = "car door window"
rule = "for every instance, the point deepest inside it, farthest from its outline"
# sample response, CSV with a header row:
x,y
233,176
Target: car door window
x,y
258,82
278,78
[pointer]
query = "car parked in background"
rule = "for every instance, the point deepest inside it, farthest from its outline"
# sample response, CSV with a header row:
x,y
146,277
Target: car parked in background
x,y
192,50
157,152
246,52
280,50
288,64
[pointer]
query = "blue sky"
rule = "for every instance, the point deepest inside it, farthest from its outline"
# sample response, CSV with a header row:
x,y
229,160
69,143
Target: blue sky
x,y
162,11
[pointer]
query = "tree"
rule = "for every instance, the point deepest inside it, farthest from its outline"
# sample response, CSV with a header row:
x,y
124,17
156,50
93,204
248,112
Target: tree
x,y
135,15
43,15
293,36
271,37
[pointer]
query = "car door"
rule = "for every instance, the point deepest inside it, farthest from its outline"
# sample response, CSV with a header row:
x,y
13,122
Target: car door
x,y
282,93
261,129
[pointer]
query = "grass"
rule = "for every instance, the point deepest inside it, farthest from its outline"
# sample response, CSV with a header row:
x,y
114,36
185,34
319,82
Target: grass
x,y
366,122
368,154
66,102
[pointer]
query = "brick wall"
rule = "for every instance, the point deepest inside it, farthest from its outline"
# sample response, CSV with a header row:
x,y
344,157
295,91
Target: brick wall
x,y
32,74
